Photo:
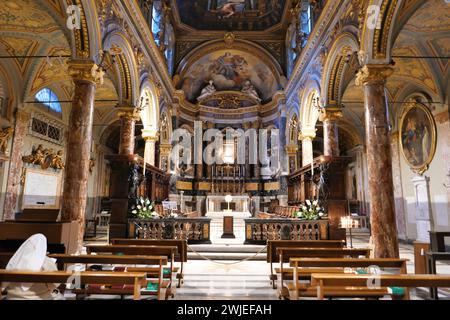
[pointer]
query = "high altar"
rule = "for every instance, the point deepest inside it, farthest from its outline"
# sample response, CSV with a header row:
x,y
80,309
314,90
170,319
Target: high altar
x,y
218,207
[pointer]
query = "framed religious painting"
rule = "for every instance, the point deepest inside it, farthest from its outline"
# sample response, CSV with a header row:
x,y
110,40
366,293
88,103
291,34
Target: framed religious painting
x,y
418,136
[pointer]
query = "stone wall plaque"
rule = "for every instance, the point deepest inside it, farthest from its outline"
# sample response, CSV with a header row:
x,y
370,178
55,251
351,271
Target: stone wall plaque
x,y
42,190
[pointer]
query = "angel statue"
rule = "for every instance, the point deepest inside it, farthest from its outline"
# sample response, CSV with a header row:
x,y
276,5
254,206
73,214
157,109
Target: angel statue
x,y
207,91
37,156
57,160
5,134
249,89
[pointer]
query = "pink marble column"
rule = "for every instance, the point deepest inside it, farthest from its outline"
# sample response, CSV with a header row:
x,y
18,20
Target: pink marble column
x,y
330,120
127,131
16,164
79,145
379,161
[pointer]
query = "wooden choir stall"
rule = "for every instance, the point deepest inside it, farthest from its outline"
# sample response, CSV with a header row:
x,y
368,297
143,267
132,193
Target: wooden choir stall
x,y
325,179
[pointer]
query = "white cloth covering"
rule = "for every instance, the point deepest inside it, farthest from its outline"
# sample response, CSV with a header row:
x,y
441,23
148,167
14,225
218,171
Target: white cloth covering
x,y
32,256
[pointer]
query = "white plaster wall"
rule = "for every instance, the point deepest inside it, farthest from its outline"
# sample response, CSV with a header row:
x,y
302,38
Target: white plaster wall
x,y
438,171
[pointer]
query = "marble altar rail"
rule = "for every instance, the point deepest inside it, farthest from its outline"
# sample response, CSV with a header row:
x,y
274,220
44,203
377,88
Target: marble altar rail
x,y
258,231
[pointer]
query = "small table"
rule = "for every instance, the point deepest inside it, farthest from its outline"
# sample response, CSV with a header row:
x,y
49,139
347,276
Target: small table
x,y
432,258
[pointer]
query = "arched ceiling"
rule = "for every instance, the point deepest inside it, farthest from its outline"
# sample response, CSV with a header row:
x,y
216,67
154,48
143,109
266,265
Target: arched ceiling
x,y
425,34
27,28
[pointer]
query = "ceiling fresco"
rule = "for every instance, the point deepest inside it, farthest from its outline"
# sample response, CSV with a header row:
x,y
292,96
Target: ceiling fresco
x,y
239,15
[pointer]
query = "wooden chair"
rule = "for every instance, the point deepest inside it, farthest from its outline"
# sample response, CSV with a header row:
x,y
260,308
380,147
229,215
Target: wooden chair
x,y
273,257
181,257
135,279
344,281
303,268
154,275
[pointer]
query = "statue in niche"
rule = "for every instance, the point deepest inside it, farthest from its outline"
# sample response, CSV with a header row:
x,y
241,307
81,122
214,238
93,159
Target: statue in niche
x,y
249,89
134,181
207,91
5,134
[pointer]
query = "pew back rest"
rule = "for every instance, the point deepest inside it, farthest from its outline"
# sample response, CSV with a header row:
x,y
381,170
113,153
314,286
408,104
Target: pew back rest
x,y
386,280
180,244
63,259
169,252
286,253
272,245
349,263
86,277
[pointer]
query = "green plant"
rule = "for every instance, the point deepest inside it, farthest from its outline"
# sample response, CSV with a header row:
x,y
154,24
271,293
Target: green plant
x,y
144,209
311,211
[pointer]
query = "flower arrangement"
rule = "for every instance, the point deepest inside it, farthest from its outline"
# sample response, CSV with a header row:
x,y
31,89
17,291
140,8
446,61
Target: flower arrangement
x,y
311,211
144,209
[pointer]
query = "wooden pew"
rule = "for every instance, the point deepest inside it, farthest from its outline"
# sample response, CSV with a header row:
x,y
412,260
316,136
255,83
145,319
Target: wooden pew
x,y
137,280
181,257
304,267
161,261
322,281
169,251
273,257
286,253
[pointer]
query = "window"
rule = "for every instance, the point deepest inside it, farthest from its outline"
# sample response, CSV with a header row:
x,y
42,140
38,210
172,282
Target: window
x,y
170,45
305,22
48,98
47,129
156,20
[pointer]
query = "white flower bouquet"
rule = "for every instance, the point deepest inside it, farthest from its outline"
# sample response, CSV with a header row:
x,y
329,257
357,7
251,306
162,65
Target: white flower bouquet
x,y
144,209
311,211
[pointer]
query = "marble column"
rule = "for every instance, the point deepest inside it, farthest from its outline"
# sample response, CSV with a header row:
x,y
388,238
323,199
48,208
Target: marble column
x,y
15,164
150,137
381,190
307,138
257,166
79,145
128,119
330,119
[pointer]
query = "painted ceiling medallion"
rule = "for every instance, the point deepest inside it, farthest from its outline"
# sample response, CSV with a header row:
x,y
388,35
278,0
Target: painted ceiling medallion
x,y
241,15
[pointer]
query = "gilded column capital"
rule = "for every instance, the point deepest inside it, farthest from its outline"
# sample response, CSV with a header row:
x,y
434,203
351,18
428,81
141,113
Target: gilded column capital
x,y
331,114
150,135
373,74
129,113
85,70
291,149
307,134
